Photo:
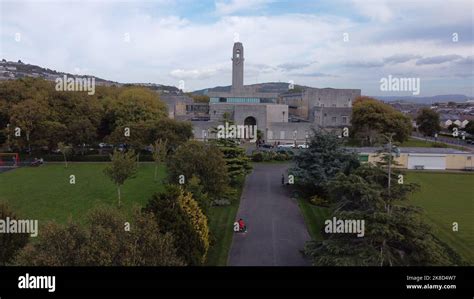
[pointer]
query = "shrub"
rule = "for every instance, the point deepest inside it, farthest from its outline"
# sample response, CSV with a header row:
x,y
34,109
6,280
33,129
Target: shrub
x,y
104,241
257,156
10,244
318,201
177,212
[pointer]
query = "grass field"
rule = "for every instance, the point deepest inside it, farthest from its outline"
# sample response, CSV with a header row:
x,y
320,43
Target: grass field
x,y
445,198
221,220
44,193
448,198
314,218
412,142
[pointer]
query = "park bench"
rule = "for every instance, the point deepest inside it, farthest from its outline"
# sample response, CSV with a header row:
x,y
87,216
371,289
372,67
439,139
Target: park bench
x,y
419,167
469,168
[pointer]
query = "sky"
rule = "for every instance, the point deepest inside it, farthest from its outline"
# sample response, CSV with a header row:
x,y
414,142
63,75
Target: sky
x,y
328,43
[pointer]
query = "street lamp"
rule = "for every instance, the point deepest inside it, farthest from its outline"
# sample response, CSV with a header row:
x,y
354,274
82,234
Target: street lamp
x,y
295,133
389,138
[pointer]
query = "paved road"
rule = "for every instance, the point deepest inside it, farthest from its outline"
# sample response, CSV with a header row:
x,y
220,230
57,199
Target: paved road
x,y
276,229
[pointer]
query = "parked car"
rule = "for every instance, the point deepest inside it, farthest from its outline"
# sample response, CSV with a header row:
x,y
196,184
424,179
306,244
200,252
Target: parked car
x,y
303,145
286,145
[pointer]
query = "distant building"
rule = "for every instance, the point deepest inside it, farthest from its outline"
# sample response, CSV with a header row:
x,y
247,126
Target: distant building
x,y
281,117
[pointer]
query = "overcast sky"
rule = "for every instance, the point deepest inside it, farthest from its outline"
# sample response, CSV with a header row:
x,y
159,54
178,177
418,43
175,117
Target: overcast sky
x,y
166,41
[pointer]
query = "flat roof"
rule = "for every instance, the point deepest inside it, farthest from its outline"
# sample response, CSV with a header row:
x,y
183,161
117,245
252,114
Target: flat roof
x,y
411,150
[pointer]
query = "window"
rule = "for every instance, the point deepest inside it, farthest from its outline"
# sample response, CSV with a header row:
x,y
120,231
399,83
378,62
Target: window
x,y
237,54
282,134
344,119
334,119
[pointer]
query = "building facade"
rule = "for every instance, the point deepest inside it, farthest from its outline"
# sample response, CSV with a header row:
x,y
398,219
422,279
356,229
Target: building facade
x,y
280,117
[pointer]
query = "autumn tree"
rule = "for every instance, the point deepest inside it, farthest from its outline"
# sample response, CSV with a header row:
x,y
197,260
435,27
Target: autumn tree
x,y
371,117
108,238
204,161
27,116
178,213
135,105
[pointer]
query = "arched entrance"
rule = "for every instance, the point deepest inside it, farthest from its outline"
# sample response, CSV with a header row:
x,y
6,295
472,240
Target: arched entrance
x,y
250,124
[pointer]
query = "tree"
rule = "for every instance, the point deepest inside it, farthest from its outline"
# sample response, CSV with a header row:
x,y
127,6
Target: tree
x,y
145,133
204,161
452,126
103,241
237,162
395,234
428,122
65,150
135,105
178,213
322,161
470,127
82,131
197,98
28,115
121,168
10,243
159,154
371,117
195,187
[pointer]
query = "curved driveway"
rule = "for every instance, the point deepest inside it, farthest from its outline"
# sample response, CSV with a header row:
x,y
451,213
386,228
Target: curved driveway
x,y
276,228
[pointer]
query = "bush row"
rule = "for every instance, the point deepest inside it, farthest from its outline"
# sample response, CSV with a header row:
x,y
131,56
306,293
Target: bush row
x,y
265,156
80,158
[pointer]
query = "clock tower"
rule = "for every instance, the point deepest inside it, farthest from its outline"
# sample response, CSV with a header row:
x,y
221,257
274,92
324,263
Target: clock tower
x,y
237,67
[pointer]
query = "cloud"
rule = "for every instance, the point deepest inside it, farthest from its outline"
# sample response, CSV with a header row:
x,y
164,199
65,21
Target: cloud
x,y
364,64
286,67
233,6
193,74
315,74
400,58
438,59
192,41
378,10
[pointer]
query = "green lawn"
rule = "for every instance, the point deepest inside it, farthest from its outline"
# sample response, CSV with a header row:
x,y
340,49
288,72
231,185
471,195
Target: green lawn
x,y
412,142
445,198
44,193
448,198
221,224
314,218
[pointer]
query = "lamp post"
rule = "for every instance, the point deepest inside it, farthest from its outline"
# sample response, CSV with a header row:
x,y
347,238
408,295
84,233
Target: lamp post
x,y
295,133
389,138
